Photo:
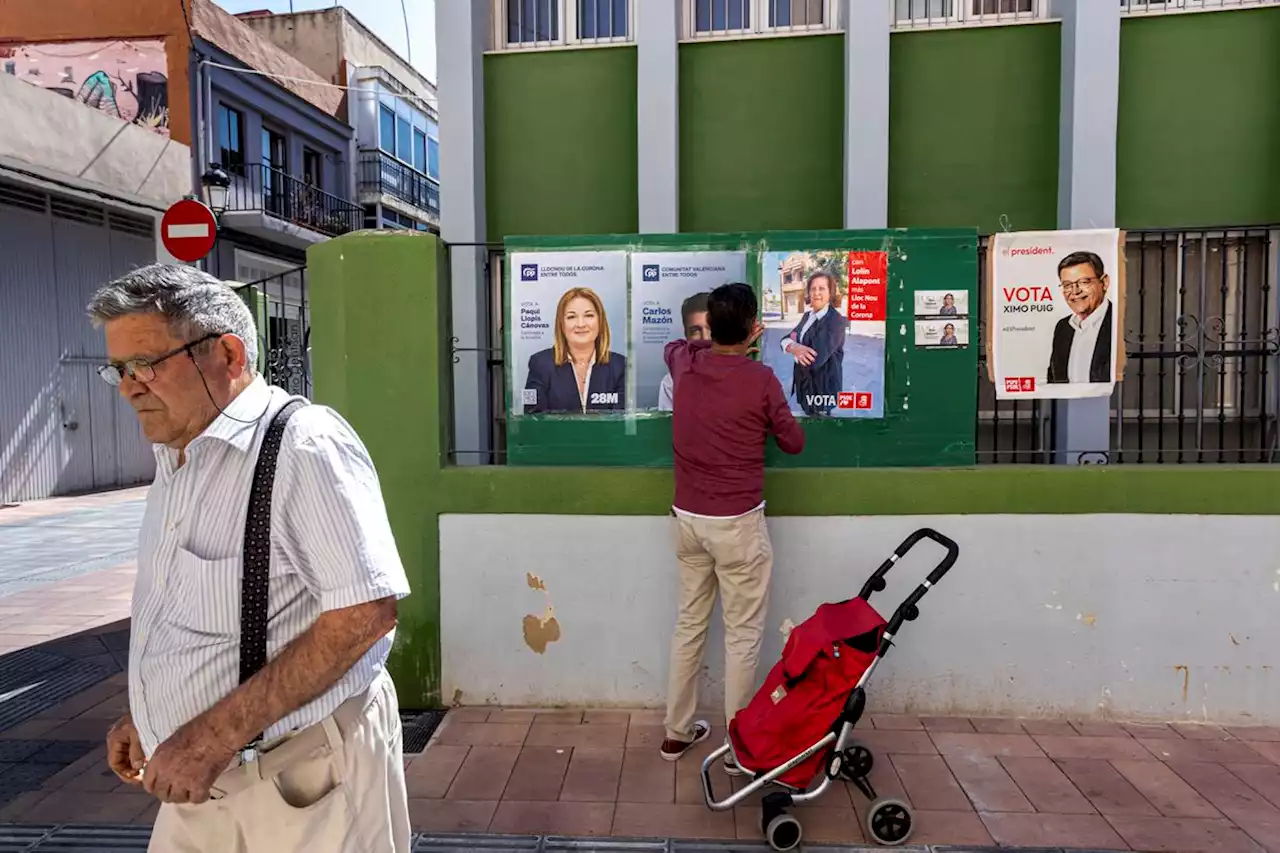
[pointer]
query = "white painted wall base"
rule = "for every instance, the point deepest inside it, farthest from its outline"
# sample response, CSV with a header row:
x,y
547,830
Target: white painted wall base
x,y
1120,616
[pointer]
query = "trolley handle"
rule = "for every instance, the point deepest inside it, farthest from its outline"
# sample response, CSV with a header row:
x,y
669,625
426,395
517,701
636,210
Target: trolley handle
x,y
909,609
876,583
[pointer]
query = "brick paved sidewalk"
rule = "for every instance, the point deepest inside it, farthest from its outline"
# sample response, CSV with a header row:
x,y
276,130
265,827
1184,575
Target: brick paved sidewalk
x,y
973,782
977,782
66,565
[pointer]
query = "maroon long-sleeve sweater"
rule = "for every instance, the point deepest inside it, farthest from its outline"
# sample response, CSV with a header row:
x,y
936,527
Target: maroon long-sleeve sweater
x,y
724,409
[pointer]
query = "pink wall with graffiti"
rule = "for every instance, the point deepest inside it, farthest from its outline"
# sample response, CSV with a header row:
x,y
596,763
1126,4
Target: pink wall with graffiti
x,y
124,79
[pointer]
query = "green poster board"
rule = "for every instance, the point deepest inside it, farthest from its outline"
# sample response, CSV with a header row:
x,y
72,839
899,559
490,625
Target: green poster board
x,y
930,393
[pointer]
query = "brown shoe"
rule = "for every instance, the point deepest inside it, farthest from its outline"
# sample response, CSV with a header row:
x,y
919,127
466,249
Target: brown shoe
x,y
674,750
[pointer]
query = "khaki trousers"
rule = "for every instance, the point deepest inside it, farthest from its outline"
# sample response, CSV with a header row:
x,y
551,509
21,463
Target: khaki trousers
x,y
336,787
735,555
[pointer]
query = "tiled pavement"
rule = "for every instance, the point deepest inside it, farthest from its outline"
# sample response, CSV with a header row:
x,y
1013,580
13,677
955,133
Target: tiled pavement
x,y
979,782
972,782
66,565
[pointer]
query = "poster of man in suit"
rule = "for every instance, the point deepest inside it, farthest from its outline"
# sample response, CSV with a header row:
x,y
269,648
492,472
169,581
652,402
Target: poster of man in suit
x,y
1056,310
824,318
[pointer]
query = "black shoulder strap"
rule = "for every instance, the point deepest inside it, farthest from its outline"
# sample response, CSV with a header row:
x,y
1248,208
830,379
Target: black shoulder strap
x,y
257,548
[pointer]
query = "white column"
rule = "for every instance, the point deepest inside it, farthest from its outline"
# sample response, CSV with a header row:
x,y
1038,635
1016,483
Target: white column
x,y
867,24
1090,98
462,36
658,114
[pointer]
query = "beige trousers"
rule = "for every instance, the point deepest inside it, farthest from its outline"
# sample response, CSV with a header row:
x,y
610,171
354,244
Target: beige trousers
x,y
343,793
734,555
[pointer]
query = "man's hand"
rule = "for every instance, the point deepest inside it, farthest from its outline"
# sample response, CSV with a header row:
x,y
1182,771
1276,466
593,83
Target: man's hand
x,y
186,765
757,329
124,750
802,354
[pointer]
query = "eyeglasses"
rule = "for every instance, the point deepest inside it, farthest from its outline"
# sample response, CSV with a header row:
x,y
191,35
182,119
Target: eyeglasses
x,y
144,369
1080,285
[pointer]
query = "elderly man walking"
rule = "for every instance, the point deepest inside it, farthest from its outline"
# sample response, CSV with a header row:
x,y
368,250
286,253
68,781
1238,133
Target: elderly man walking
x,y
261,712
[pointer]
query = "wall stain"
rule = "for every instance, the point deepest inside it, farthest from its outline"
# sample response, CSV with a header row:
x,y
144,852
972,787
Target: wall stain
x,y
540,631
1088,618
1234,641
1186,680
457,698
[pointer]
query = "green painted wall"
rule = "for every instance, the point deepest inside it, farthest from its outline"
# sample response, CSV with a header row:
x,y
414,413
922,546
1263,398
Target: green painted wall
x,y
560,142
973,127
762,134
374,299
1199,122
378,311
983,490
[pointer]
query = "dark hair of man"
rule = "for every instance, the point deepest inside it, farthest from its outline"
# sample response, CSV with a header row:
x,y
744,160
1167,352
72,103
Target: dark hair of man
x,y
691,306
1075,259
731,312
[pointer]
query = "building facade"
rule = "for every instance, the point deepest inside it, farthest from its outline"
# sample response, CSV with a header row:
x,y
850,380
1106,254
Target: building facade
x,y
391,106
1161,118
116,111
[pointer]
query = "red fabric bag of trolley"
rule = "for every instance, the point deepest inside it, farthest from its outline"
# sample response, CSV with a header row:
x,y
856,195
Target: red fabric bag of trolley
x,y
806,690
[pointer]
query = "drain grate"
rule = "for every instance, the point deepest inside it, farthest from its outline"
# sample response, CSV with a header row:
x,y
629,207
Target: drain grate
x,y
17,668
39,690
447,843
20,839
419,726
95,839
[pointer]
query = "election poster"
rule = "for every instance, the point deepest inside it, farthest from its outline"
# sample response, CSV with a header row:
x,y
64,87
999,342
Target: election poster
x,y
824,317
942,334
669,302
1056,313
568,333
942,319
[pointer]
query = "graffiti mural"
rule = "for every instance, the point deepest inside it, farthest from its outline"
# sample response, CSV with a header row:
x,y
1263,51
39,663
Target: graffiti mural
x,y
124,79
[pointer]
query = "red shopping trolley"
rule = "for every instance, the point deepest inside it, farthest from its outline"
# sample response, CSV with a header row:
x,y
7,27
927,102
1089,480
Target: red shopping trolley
x,y
796,735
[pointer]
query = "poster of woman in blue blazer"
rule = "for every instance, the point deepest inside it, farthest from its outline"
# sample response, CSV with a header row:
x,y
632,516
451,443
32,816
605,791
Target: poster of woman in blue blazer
x,y
579,373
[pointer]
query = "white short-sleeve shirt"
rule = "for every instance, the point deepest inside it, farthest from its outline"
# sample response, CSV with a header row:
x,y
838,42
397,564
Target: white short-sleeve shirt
x,y
331,547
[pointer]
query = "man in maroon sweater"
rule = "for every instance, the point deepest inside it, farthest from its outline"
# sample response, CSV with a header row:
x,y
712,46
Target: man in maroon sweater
x,y
726,407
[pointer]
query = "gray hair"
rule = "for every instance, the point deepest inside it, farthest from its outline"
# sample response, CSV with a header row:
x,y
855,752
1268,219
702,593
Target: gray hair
x,y
194,303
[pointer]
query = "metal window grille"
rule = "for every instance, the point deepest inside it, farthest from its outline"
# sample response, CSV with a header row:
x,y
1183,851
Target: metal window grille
x,y
1163,7
286,341
914,14
1010,432
1202,343
544,24
1202,334
603,21
712,19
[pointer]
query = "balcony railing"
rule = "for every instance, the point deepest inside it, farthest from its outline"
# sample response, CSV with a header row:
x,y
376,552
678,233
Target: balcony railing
x,y
381,173
283,196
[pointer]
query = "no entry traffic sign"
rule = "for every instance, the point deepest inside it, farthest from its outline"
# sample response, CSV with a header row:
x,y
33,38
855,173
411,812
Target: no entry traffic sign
x,y
188,230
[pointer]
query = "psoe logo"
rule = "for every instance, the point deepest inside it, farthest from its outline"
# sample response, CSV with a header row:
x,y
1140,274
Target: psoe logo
x,y
863,401
1019,384
845,400
528,272
650,272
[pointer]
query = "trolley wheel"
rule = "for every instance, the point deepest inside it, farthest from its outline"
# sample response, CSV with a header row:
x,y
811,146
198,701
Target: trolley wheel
x,y
856,763
783,832
890,822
